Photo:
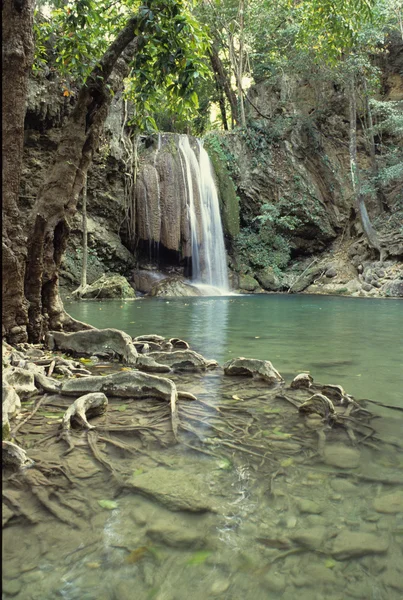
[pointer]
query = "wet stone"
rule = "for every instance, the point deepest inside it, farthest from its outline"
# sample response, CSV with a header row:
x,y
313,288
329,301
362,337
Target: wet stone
x,y
11,587
341,456
220,587
176,537
393,579
349,544
314,575
309,538
308,506
342,486
389,503
274,582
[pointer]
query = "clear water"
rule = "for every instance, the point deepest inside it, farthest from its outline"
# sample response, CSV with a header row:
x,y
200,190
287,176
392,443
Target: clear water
x,y
357,343
284,522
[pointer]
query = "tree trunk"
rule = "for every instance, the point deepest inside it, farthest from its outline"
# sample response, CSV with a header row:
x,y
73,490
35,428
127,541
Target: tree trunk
x,y
368,229
241,60
83,284
224,82
18,51
57,199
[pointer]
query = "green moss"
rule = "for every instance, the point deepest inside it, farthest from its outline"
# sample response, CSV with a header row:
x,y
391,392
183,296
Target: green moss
x,y
229,201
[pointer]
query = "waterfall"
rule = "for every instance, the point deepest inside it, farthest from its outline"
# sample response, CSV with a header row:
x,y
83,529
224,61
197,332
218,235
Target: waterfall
x,y
209,261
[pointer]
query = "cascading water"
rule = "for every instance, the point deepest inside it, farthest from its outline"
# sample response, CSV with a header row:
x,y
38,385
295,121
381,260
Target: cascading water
x,y
209,263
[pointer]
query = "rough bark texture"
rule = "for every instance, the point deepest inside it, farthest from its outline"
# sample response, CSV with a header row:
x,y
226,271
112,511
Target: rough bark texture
x,y
18,49
224,82
57,200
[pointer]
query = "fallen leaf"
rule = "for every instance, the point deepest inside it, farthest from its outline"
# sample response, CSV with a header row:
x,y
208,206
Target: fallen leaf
x,y
108,504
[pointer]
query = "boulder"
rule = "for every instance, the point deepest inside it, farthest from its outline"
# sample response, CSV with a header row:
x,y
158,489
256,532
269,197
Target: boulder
x,y
11,406
145,280
183,360
307,277
109,286
93,342
248,283
251,367
21,380
302,380
268,279
393,288
317,404
176,490
149,365
174,287
349,544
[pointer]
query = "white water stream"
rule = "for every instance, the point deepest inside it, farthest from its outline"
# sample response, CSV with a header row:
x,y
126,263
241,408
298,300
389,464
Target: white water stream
x,y
209,262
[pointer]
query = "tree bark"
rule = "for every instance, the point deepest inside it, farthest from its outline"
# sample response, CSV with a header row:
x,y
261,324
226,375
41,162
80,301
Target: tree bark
x,y
368,229
84,262
18,52
224,82
56,202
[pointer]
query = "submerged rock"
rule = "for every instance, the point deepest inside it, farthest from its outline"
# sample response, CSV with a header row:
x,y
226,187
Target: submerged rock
x,y
309,538
174,489
349,544
389,503
250,367
95,341
341,456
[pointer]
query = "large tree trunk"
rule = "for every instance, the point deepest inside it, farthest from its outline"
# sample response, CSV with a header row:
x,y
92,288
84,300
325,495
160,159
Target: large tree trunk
x,y
18,51
368,229
56,202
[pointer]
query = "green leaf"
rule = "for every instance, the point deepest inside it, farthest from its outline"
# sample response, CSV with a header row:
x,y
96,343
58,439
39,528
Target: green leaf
x,y
199,557
108,504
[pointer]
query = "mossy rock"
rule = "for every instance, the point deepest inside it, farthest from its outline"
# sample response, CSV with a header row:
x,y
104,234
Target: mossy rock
x,y
248,283
109,286
229,201
268,279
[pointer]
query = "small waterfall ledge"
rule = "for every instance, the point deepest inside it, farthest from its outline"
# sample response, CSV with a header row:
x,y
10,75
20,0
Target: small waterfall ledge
x,y
176,217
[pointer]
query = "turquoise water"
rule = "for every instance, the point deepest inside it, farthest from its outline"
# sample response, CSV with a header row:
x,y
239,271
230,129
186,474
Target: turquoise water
x,y
355,342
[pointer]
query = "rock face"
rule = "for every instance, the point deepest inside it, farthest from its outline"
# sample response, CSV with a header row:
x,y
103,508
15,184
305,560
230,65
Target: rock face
x,y
109,286
250,367
95,341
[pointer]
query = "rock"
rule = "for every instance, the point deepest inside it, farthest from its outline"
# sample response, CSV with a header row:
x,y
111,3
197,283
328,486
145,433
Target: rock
x,y
367,287
176,537
309,538
268,279
314,575
11,587
15,457
251,367
302,380
21,380
150,338
343,486
179,344
248,283
174,287
393,579
6,514
389,503
308,506
149,365
331,272
183,360
11,403
341,456
317,404
349,544
95,341
109,286
302,281
176,490
274,582
393,288
220,587
145,280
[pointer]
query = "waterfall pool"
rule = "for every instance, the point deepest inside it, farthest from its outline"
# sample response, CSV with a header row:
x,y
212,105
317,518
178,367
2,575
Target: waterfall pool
x,y
252,504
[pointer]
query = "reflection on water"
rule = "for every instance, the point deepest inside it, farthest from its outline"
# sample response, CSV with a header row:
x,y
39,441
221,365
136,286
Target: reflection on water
x,y
357,343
